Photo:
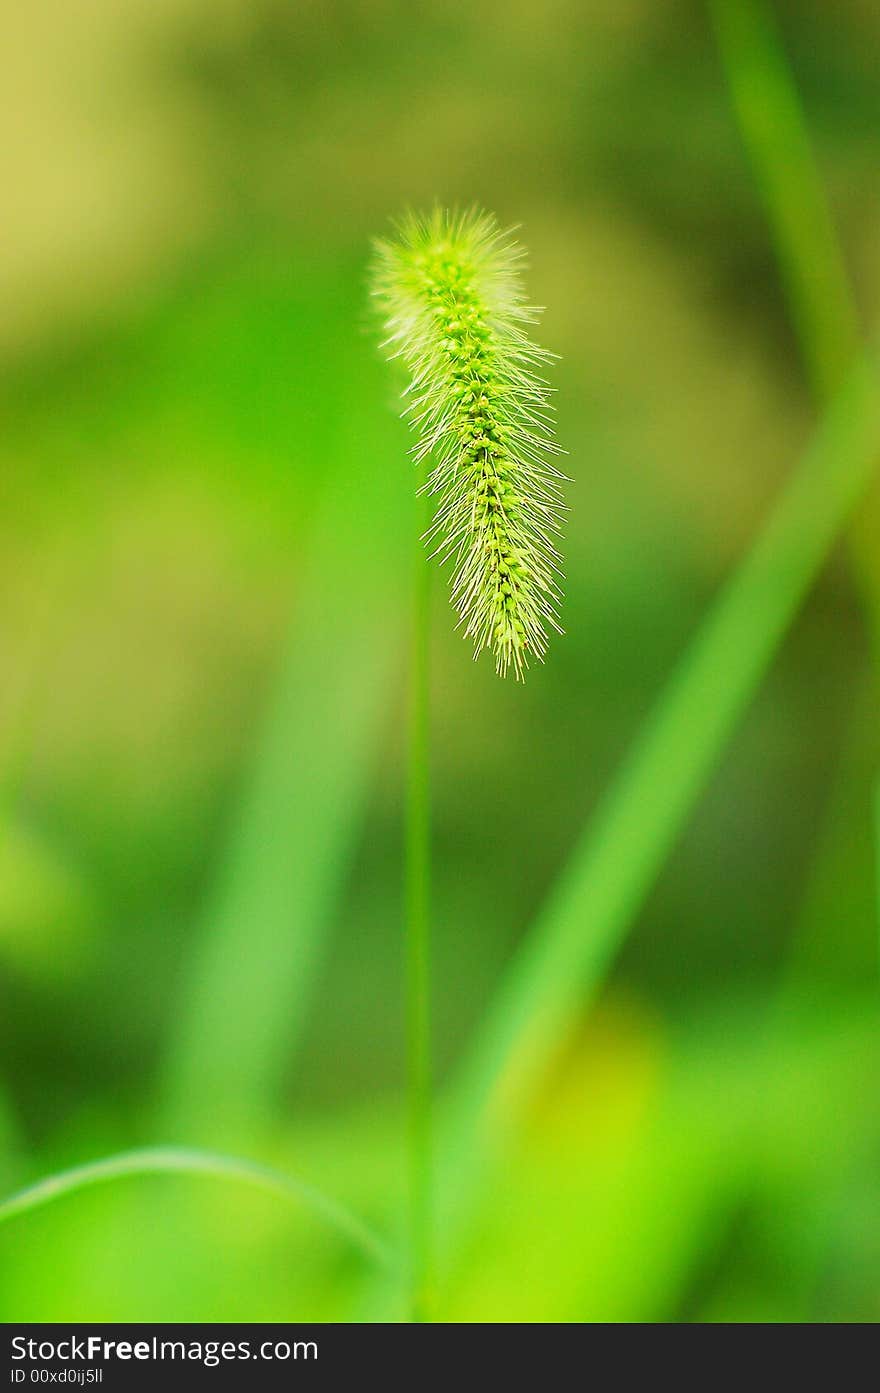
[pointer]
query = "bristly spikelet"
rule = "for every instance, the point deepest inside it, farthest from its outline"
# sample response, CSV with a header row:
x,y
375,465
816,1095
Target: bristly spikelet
x,y
451,295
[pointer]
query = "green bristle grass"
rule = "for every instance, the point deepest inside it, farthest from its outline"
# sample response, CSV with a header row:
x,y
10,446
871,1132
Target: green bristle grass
x,y
450,291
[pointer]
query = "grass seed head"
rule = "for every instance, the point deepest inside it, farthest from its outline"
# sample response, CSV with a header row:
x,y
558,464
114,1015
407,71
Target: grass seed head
x,y
450,291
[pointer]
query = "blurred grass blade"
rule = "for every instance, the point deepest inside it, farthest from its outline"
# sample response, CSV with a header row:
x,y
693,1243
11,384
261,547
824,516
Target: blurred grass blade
x,y
589,911
834,940
183,1161
250,983
775,133
776,136
268,918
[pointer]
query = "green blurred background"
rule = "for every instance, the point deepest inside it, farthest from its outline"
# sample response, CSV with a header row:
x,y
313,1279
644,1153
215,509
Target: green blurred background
x,y
204,583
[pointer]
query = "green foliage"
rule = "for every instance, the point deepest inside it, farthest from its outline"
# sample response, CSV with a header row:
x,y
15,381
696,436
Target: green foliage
x,y
207,464
450,293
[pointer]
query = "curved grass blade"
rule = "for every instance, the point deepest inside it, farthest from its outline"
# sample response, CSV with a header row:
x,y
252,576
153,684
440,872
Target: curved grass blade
x,y
566,955
171,1160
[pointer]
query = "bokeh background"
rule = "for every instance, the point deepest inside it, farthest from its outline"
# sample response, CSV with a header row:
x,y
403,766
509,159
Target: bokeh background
x,y
204,581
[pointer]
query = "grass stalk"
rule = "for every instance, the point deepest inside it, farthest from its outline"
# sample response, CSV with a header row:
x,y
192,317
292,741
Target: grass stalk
x,y
418,927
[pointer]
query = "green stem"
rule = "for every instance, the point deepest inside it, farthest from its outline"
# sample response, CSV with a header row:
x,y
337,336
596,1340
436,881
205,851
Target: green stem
x,y
418,930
